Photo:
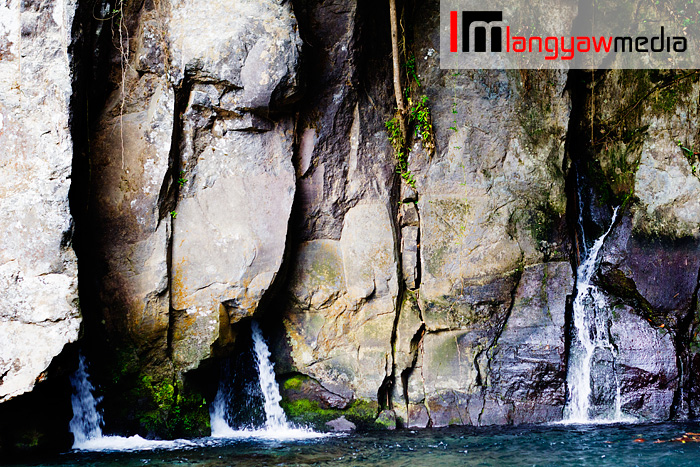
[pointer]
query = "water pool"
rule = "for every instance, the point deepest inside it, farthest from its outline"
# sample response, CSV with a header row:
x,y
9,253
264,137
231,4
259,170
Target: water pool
x,y
550,445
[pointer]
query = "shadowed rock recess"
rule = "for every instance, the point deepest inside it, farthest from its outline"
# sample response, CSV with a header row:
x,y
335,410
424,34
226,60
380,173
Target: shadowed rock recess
x,y
229,159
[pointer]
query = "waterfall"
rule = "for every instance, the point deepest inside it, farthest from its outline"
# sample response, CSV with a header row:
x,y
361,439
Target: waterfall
x,y
591,339
275,417
217,413
86,423
276,425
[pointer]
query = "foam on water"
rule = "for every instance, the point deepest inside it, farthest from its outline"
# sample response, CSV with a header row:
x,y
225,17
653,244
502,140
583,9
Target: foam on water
x,y
132,443
287,434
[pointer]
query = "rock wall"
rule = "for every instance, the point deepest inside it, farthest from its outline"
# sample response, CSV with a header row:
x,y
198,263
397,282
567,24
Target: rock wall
x,y
480,242
481,331
39,311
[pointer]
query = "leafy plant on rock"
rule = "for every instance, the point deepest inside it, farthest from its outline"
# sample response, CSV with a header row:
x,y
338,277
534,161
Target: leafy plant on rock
x,y
412,116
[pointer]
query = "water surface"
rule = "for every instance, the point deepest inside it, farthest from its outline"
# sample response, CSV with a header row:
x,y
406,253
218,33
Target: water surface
x,y
553,445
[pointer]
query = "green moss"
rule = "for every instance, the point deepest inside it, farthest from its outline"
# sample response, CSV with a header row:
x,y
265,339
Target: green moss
x,y
619,106
535,89
436,260
295,382
362,411
170,411
30,440
386,420
124,366
541,222
309,413
674,88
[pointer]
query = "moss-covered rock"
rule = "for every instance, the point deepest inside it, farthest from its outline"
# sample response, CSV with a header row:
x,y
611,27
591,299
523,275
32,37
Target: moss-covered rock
x,y
309,413
387,419
169,409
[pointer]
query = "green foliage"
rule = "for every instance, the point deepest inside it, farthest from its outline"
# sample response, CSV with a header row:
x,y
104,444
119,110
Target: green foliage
x,y
691,156
411,70
295,382
173,214
418,122
182,180
399,144
170,412
419,116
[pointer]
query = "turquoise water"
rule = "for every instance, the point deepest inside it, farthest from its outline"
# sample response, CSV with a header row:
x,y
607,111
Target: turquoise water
x,y
555,445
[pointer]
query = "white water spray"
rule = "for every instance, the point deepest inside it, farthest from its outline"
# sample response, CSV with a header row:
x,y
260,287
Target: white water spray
x,y
590,320
276,424
86,423
276,419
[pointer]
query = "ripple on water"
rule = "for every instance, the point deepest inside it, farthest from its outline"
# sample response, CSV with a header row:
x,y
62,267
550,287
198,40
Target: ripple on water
x,y
544,445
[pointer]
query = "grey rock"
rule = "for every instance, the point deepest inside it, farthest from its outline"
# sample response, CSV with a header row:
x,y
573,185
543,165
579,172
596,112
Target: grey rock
x,y
387,419
229,234
418,416
341,424
309,389
409,214
409,256
129,155
645,366
342,305
189,254
344,157
527,366
39,311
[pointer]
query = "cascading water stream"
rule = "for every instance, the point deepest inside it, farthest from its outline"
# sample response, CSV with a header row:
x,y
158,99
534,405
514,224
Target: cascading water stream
x,y
276,424
86,423
591,317
275,417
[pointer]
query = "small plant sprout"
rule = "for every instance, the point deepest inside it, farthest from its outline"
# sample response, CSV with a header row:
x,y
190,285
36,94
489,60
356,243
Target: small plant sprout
x,y
182,180
173,214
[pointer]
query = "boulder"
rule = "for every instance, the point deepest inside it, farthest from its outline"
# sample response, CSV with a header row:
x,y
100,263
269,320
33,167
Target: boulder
x,y
341,424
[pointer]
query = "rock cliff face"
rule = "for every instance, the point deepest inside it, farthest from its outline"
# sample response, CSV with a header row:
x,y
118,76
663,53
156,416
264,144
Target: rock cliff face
x,y
481,244
237,166
39,311
191,182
